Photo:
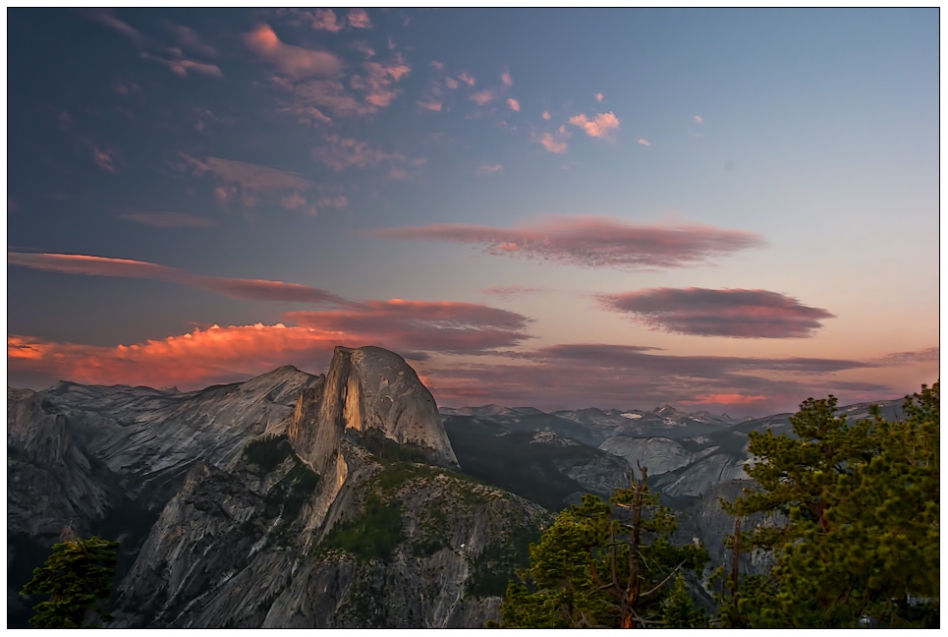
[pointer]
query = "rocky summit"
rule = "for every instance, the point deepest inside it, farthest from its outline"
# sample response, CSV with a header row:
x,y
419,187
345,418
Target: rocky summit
x,y
290,500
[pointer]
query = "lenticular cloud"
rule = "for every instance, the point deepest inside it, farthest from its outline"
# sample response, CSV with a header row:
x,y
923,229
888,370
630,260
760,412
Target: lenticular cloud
x,y
595,242
730,312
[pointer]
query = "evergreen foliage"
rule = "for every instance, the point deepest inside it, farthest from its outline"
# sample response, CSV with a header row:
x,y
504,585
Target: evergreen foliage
x,y
860,537
77,574
602,565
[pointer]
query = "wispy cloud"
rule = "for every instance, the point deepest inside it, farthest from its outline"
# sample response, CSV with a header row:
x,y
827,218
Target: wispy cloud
x,y
643,142
699,119
340,153
507,291
599,97
489,169
735,313
430,105
576,375
247,289
546,115
168,220
182,66
438,65
250,176
513,104
292,61
506,79
467,79
429,326
151,48
104,159
450,82
592,241
896,359
599,126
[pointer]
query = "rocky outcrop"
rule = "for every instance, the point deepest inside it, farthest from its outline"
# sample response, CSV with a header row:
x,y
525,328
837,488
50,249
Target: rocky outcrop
x,y
369,390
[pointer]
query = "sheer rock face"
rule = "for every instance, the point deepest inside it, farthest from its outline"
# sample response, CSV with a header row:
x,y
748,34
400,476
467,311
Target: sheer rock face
x,y
368,389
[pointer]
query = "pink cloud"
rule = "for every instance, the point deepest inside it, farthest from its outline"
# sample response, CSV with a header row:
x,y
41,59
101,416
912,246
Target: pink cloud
x,y
359,19
488,169
580,375
182,66
433,326
292,61
364,49
432,105
599,97
644,142
553,143
450,82
546,115
513,104
376,84
592,241
699,119
251,179
438,65
483,97
325,20
736,313
467,79
103,159
340,153
168,220
599,126
293,201
247,289
506,79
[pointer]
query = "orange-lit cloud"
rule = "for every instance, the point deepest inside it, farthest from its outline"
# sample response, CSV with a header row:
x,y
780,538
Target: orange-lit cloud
x,y
644,142
506,79
249,181
248,289
599,126
592,241
546,115
736,313
599,97
467,79
513,104
293,61
725,399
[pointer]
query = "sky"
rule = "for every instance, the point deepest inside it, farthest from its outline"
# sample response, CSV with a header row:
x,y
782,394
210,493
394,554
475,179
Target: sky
x,y
720,209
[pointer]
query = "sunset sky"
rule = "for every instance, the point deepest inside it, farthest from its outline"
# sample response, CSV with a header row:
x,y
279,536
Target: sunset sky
x,y
729,210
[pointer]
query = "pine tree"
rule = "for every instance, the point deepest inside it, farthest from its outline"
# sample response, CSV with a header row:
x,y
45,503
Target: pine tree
x,y
604,566
861,536
77,574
